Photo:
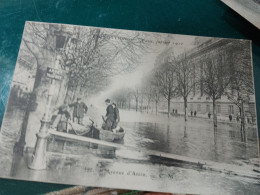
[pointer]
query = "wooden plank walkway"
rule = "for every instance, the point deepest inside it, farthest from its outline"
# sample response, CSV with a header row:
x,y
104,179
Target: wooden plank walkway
x,y
230,169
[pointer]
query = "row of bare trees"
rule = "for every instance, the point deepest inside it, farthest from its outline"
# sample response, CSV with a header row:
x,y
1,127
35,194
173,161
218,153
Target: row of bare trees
x,y
143,98
214,74
88,55
88,58
217,73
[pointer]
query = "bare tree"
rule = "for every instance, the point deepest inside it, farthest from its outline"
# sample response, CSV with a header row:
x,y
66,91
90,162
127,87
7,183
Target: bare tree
x,y
136,94
184,73
87,54
122,98
154,89
156,97
165,76
141,98
88,57
215,80
39,43
149,97
96,54
241,85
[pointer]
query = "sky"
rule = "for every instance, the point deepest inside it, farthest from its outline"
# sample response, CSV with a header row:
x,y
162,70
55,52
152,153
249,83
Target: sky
x,y
147,62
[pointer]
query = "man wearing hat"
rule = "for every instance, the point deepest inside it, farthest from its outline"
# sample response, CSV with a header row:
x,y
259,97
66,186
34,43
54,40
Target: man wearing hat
x,y
116,116
79,109
64,117
61,120
110,116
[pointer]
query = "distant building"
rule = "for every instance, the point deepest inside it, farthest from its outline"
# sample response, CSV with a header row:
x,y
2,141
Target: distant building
x,y
221,50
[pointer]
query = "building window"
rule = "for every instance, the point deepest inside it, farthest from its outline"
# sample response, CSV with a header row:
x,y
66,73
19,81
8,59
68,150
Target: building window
x,y
231,109
191,107
199,108
219,109
208,108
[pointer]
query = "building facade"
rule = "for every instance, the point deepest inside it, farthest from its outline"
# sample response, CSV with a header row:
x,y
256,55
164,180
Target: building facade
x,y
224,52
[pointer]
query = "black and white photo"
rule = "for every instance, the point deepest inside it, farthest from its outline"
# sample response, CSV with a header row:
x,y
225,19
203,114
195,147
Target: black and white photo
x,y
132,110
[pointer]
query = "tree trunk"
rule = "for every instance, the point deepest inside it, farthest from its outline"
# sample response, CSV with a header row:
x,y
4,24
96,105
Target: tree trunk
x,y
63,88
67,97
185,109
169,107
242,129
73,95
44,59
215,120
129,105
142,104
136,104
148,107
156,107
77,92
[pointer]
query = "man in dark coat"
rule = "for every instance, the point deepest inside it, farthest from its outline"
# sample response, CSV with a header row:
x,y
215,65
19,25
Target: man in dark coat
x,y
117,116
110,116
64,117
79,109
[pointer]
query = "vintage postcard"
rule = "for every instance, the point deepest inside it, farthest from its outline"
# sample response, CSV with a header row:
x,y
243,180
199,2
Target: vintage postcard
x,y
249,9
132,110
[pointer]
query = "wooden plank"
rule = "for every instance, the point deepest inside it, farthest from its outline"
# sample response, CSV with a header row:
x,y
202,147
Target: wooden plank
x,y
204,164
115,145
84,139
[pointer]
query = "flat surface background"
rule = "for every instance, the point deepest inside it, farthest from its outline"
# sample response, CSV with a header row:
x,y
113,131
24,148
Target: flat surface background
x,y
190,17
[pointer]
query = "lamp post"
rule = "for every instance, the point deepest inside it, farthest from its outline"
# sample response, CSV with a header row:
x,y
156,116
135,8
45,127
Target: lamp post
x,y
39,157
39,161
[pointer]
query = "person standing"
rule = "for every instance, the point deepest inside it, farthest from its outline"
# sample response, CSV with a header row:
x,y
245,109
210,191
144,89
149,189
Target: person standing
x,y
116,116
110,116
79,109
64,117
209,115
230,117
60,122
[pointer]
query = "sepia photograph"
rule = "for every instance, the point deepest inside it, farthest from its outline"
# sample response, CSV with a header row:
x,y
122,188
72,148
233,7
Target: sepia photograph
x,y
249,9
132,110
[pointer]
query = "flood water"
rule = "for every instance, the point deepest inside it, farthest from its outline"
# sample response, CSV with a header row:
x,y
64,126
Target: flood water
x,y
9,135
194,138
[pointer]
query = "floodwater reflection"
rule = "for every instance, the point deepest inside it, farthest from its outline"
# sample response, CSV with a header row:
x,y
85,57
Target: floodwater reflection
x,y
195,138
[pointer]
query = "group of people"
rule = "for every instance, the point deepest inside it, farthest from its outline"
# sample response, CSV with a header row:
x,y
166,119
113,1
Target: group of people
x,y
110,120
79,110
193,113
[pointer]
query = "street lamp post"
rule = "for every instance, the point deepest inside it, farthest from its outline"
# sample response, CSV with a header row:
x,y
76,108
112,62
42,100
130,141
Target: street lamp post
x,y
39,157
39,161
